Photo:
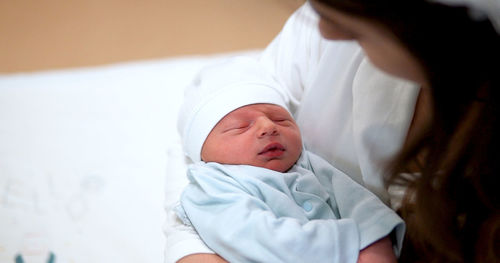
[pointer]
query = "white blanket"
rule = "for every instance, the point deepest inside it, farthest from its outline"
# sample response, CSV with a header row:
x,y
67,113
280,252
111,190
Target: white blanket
x,y
83,160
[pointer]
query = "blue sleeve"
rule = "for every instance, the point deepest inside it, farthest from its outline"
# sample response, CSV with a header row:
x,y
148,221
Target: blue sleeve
x,y
374,219
241,228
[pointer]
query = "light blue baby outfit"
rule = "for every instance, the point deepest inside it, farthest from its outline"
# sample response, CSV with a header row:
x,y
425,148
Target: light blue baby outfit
x,y
312,213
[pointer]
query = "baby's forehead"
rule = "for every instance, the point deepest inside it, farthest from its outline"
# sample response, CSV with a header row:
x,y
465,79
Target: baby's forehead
x,y
251,110
248,112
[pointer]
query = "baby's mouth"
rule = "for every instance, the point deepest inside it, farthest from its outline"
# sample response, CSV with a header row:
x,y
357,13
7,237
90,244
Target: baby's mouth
x,y
273,150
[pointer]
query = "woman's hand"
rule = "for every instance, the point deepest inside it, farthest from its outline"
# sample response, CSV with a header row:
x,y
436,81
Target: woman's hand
x,y
380,251
202,257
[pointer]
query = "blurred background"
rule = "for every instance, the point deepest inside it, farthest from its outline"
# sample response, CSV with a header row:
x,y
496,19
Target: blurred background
x,y
52,34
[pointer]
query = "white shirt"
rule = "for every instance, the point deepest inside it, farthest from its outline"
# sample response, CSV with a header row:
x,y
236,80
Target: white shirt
x,y
350,113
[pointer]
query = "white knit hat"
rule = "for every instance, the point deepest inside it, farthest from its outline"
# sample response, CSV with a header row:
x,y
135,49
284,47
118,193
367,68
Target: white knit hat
x,y
218,90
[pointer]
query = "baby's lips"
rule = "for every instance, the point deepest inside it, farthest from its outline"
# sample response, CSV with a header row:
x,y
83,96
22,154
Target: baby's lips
x,y
273,147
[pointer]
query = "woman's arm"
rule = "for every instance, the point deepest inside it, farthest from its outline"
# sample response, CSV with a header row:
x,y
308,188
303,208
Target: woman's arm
x,y
380,251
293,56
181,239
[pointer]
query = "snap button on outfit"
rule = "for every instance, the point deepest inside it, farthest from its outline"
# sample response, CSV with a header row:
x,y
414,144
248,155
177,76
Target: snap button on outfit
x,y
307,206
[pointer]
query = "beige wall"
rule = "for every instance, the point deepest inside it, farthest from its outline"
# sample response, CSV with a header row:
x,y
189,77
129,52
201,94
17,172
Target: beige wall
x,y
48,34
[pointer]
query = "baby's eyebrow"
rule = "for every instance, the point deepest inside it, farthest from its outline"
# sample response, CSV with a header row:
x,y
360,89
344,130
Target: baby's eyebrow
x,y
233,119
280,115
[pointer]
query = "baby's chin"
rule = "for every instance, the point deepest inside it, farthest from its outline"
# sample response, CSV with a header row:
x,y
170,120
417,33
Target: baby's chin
x,y
277,165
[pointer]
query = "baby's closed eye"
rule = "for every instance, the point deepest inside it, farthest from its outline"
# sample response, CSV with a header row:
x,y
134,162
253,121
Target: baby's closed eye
x,y
282,121
237,127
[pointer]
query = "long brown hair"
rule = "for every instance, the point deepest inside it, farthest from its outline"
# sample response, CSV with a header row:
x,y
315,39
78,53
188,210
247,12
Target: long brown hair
x,y
452,203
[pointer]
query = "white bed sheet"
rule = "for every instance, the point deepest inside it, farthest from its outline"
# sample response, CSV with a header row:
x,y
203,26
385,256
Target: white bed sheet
x,y
83,160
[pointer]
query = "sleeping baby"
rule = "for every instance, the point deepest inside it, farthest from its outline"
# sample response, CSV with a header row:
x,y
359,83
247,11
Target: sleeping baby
x,y
255,194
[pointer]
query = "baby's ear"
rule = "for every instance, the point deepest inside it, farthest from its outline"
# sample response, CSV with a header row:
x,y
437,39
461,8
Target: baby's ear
x,y
203,155
202,152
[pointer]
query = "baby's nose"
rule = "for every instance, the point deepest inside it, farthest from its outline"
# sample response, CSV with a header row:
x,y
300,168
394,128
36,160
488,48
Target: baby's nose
x,y
267,127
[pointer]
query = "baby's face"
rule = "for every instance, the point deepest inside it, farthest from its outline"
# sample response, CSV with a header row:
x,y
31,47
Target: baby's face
x,y
262,135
